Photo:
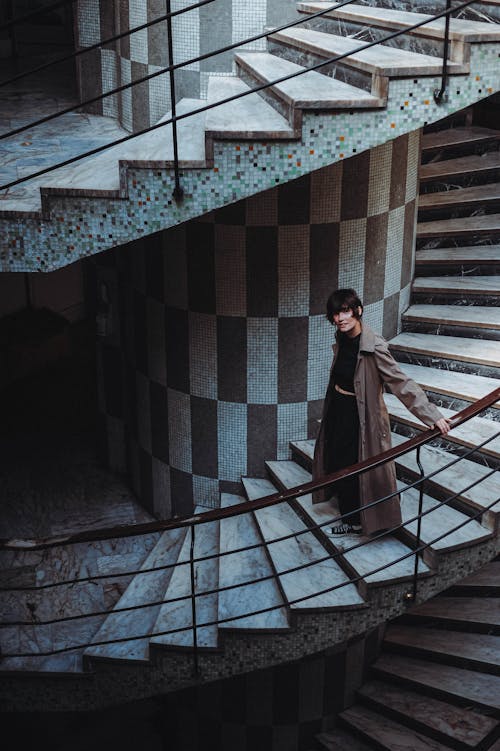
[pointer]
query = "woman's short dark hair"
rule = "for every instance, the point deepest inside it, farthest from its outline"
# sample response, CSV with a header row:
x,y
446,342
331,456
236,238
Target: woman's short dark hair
x,y
343,299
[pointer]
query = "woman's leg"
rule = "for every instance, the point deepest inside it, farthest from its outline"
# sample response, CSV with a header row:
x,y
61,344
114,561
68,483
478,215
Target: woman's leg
x,y
342,450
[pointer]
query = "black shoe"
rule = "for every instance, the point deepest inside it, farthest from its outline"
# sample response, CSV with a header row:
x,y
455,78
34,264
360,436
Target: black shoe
x,y
346,529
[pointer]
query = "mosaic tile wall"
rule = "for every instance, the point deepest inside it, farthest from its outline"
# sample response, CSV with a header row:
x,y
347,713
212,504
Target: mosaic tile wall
x,y
76,225
222,346
195,33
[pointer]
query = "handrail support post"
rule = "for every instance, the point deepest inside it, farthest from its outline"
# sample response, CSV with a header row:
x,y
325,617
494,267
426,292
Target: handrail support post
x,y
196,670
178,192
439,94
413,596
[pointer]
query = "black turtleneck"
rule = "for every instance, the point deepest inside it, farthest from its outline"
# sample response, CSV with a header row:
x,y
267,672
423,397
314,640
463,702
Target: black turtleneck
x,y
345,364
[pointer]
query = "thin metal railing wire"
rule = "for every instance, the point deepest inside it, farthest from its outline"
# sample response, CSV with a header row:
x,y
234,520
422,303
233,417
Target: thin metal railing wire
x,y
310,528
199,110
92,579
354,580
318,484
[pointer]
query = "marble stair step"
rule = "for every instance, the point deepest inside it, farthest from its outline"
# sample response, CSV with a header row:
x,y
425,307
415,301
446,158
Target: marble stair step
x,y
246,565
177,615
456,479
484,224
463,386
477,195
461,136
378,60
471,254
100,173
447,169
461,648
386,733
146,587
439,520
463,30
374,555
462,287
459,726
443,681
475,316
311,90
249,117
473,612
470,434
478,351
281,520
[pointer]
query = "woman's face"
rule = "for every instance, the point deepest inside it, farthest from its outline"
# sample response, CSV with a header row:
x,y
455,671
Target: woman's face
x,y
347,323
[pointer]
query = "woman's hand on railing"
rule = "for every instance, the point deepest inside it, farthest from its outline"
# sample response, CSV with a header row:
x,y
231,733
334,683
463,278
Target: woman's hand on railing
x,y
444,425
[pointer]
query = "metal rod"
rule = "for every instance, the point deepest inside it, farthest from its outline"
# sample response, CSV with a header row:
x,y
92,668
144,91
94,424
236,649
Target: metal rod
x,y
193,602
419,523
439,94
178,192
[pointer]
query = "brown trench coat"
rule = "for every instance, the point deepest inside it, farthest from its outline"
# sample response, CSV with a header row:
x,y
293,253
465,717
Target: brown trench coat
x,y
376,367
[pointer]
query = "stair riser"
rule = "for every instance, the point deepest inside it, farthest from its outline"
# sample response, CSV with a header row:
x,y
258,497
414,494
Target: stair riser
x,y
307,59
456,151
444,329
454,269
458,209
472,627
443,297
458,366
350,28
363,737
487,235
463,180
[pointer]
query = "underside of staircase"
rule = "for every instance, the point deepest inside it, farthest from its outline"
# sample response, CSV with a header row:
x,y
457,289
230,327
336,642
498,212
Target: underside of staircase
x,y
293,126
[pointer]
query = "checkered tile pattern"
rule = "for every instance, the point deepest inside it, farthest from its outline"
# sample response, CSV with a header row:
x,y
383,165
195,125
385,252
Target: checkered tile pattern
x,y
223,347
195,33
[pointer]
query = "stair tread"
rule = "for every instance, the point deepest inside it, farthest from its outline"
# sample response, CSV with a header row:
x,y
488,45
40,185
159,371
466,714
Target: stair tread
x,y
457,136
456,478
485,610
486,576
465,254
459,166
390,734
460,29
380,60
457,284
481,351
280,520
476,647
438,521
456,723
178,615
145,587
481,688
456,196
371,556
102,171
459,226
309,90
473,432
237,568
341,740
479,316
248,117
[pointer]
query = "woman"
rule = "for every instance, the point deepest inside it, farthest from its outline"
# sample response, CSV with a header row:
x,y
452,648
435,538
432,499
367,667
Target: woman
x,y
355,423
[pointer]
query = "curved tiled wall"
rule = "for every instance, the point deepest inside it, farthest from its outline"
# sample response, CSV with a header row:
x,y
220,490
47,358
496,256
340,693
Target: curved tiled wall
x,y
220,340
195,33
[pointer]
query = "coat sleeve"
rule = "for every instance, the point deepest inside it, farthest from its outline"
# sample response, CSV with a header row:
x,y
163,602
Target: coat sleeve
x,y
404,388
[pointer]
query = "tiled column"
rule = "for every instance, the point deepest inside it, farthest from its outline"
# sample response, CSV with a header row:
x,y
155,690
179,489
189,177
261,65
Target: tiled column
x,y
225,344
